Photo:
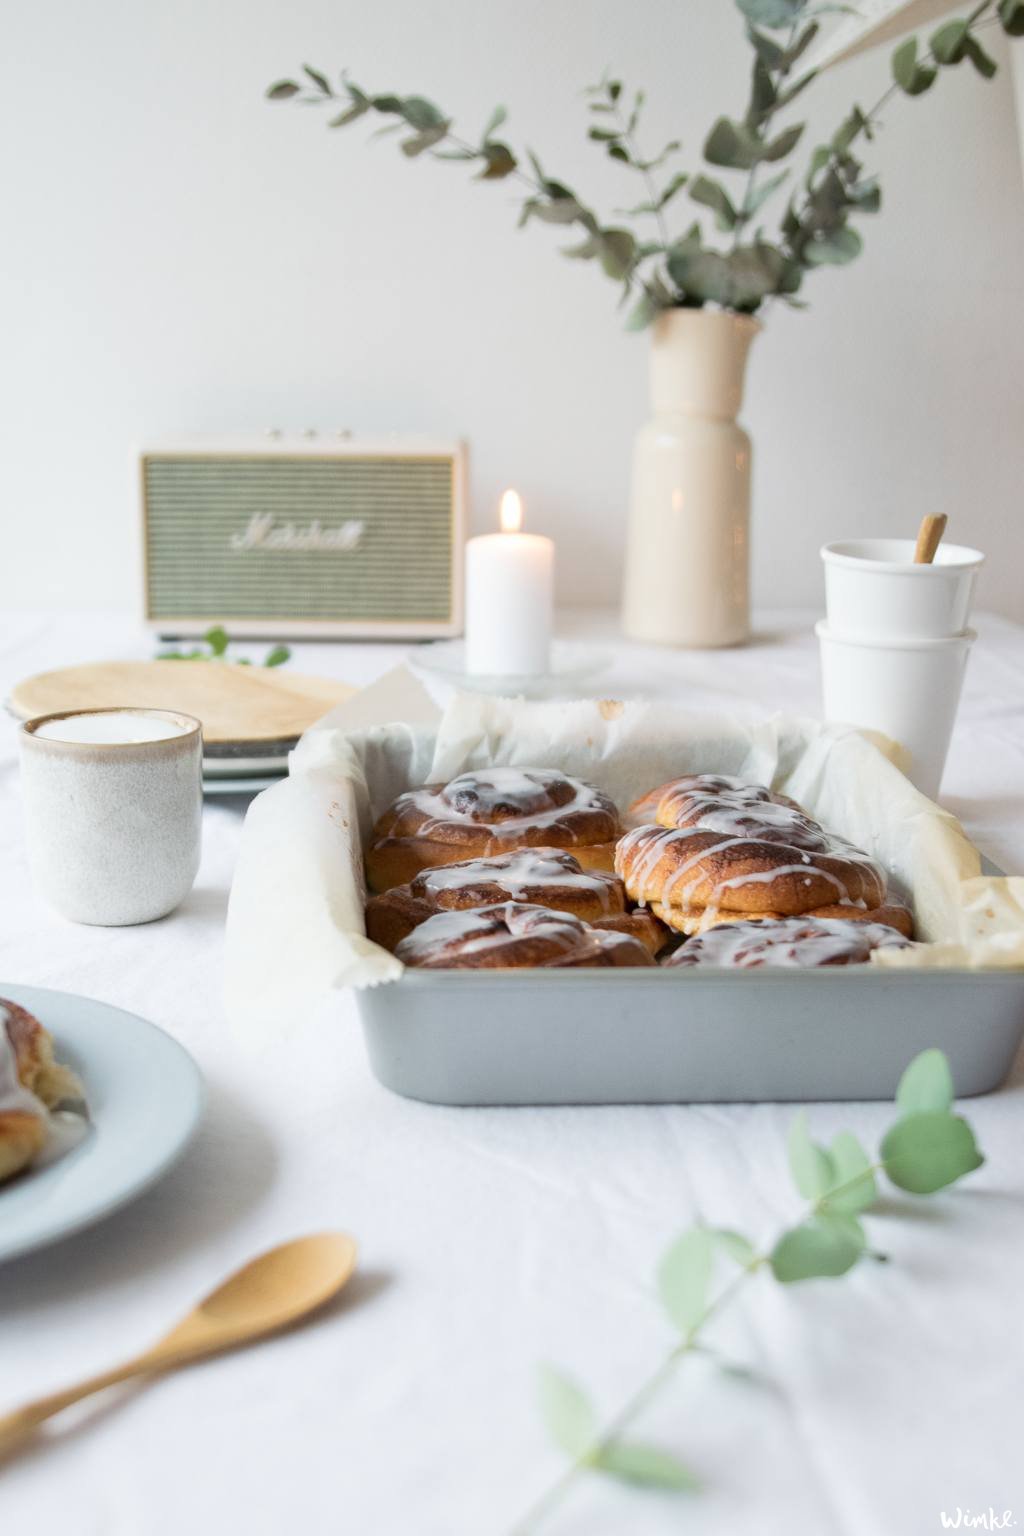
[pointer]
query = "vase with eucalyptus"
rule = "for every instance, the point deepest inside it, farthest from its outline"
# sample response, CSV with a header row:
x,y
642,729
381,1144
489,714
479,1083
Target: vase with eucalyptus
x,y
688,556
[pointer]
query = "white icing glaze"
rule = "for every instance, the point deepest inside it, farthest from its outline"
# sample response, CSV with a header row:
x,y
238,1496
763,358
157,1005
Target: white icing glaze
x,y
536,797
479,928
518,872
13,1093
788,942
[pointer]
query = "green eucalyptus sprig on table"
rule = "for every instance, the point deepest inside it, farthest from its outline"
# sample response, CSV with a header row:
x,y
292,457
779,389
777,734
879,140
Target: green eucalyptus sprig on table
x,y
665,270
927,1148
215,648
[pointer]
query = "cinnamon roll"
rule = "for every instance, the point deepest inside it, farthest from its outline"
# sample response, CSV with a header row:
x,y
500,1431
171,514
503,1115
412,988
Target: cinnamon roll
x,y
720,850
515,936
544,877
792,941
32,1082
487,812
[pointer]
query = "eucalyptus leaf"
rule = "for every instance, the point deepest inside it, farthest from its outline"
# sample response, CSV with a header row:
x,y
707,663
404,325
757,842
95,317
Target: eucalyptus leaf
x,y
387,103
927,1151
853,1177
771,13
811,1166
713,195
603,135
217,639
425,140
282,90
357,109
949,43
851,128
500,162
420,113
927,1084
910,76
320,81
983,62
803,42
833,249
567,1413
732,145
684,1275
866,196
784,145
739,1248
823,1247
703,276
763,94
648,1465
760,192
497,117
1011,15
277,656
767,49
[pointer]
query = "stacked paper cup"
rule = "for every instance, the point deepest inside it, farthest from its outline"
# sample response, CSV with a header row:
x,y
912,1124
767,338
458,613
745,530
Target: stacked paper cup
x,y
895,643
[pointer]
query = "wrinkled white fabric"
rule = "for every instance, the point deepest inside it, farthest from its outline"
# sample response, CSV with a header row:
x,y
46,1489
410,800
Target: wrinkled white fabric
x,y
492,1239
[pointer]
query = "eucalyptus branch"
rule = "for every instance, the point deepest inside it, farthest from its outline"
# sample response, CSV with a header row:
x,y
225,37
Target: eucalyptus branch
x,y
815,229
926,1149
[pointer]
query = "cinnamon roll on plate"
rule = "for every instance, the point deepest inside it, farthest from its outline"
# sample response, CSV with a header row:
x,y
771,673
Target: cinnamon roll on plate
x,y
32,1083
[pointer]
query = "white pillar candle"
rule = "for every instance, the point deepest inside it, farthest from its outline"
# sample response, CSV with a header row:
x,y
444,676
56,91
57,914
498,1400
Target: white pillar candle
x,y
509,598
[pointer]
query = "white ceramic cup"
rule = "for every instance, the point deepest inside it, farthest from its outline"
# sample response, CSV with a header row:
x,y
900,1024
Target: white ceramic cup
x,y
906,689
113,811
873,589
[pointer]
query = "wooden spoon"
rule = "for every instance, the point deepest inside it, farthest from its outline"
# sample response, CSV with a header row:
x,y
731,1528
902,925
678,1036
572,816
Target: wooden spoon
x,y
928,537
278,1288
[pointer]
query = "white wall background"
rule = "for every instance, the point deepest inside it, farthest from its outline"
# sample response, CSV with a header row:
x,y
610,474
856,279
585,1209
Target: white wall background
x,y
181,256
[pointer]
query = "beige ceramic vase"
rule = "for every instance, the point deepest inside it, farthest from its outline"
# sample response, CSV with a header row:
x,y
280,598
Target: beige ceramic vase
x,y
688,555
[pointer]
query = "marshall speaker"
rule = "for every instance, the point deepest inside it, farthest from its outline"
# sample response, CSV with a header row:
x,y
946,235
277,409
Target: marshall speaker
x,y
316,536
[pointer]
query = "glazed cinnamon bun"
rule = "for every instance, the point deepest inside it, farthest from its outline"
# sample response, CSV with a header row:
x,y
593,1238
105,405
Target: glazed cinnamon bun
x,y
792,942
515,936
487,812
544,877
32,1082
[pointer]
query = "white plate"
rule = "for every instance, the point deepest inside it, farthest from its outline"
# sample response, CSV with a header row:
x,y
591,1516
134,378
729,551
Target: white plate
x,y
571,663
243,767
144,1094
242,786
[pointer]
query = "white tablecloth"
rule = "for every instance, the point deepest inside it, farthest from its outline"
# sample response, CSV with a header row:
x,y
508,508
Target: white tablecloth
x,y
492,1239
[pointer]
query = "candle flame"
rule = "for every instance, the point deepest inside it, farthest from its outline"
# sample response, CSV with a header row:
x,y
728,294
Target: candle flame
x,y
511,512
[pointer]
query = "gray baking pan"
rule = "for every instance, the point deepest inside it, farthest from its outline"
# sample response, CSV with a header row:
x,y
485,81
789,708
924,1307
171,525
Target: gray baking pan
x,y
686,1037
666,1037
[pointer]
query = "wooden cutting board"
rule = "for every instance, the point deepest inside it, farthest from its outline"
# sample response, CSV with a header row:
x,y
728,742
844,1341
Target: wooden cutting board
x,y
239,706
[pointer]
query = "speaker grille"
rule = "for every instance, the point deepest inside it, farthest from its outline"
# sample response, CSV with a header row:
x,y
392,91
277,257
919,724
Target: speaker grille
x,y
199,511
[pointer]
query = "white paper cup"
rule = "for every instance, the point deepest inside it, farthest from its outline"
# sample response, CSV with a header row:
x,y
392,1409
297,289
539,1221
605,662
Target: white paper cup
x,y
874,589
113,825
907,689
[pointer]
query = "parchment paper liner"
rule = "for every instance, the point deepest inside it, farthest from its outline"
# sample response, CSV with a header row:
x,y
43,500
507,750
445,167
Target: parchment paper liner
x,y
295,918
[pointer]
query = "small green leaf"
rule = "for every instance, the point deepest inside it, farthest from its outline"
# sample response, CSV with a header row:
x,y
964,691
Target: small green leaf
x,y
927,1151
784,145
927,1084
356,110
603,135
910,76
1011,14
684,1275
566,1411
645,1464
282,90
810,1165
277,657
948,44
851,128
759,193
852,1174
497,117
713,195
320,81
420,113
825,1246
983,62
217,639
618,252
732,145
833,249
420,142
500,162
387,103
739,1248
772,13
